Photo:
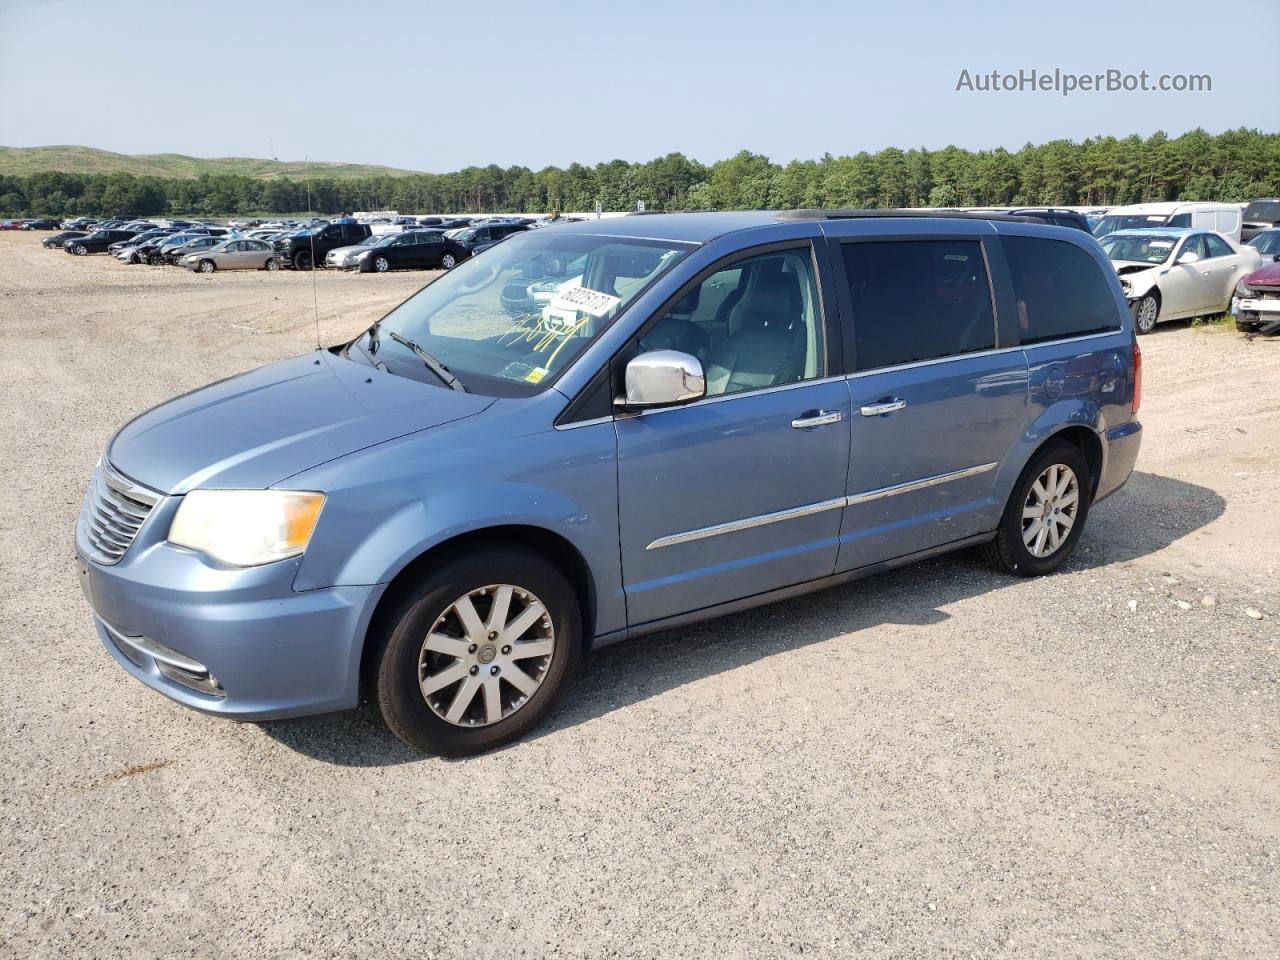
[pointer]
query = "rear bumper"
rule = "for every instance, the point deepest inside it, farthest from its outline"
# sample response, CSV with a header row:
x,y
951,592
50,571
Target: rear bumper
x,y
233,643
1121,453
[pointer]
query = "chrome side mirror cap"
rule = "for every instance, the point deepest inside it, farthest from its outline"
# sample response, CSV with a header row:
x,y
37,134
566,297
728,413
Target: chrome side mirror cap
x,y
663,378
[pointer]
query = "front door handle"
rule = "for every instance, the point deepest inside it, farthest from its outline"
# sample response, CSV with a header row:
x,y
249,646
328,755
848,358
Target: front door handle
x,y
816,418
883,407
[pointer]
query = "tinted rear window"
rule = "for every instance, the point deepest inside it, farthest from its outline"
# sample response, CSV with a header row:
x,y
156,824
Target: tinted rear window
x,y
1060,290
917,300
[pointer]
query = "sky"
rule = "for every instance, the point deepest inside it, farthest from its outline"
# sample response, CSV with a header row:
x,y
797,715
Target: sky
x,y
419,86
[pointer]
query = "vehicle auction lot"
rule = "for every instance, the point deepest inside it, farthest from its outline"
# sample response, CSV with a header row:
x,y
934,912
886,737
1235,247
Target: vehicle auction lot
x,y
938,761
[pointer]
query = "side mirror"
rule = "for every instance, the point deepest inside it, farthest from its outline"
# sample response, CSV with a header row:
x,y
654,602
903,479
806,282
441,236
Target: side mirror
x,y
1189,256
663,378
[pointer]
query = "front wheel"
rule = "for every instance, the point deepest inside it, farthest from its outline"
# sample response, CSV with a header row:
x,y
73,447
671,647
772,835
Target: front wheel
x,y
478,653
207,266
79,250
382,264
1046,512
302,261
1145,313
448,261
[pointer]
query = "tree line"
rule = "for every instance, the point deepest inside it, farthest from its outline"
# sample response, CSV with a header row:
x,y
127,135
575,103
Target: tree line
x,y
1236,165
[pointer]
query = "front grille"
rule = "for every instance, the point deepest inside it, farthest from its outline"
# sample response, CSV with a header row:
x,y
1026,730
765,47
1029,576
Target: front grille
x,y
115,510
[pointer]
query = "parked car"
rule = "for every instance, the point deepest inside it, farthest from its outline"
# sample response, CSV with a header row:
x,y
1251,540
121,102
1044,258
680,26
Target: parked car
x,y
1223,218
128,250
58,239
1260,215
338,256
1267,243
232,255
1054,215
42,225
80,223
1255,302
301,250
12,224
1169,274
96,242
461,244
455,505
411,250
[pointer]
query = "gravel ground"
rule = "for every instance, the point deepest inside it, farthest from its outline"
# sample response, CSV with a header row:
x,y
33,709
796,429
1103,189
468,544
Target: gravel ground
x,y
936,762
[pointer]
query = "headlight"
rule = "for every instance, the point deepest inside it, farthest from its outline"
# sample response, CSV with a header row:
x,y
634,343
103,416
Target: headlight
x,y
1243,289
1125,285
361,255
246,528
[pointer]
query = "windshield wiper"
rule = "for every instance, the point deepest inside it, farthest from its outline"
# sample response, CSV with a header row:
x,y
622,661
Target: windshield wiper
x,y
434,365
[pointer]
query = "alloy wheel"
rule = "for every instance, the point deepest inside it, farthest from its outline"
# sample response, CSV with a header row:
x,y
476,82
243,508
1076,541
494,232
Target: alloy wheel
x,y
382,265
1050,510
1147,309
486,655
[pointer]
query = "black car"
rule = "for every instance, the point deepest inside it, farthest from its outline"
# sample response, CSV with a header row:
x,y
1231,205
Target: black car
x,y
411,250
1259,215
42,225
135,241
172,249
147,249
303,249
58,239
96,242
463,245
80,223
1055,216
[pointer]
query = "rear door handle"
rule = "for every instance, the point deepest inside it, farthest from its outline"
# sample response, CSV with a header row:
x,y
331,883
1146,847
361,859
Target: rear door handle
x,y
816,418
883,407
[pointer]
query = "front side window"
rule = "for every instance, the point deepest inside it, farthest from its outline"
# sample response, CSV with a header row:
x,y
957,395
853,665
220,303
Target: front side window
x,y
918,300
754,324
508,322
1268,242
1059,289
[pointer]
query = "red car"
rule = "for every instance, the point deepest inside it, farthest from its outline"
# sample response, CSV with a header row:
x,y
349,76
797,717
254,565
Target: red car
x,y
11,224
1256,301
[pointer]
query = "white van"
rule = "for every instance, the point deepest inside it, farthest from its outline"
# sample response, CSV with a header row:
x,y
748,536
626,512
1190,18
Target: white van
x,y
1223,218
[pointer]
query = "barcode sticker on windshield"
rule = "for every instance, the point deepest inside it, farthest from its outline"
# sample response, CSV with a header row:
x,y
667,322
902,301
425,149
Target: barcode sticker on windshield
x,y
588,301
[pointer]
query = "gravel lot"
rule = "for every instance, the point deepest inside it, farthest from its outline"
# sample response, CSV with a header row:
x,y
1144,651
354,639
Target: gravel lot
x,y
940,761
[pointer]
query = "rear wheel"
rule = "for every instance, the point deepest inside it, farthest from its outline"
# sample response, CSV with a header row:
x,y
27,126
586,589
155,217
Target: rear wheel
x,y
207,266
1046,512
478,653
302,260
271,265
1145,313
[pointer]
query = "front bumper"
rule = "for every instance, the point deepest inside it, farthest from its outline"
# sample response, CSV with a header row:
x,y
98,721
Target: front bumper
x,y
232,642
1255,309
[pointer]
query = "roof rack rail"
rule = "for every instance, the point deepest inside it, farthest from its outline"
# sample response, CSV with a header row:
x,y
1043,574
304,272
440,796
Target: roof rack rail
x,y
887,212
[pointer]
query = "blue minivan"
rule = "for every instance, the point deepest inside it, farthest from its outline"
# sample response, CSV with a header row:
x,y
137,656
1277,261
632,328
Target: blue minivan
x,y
601,429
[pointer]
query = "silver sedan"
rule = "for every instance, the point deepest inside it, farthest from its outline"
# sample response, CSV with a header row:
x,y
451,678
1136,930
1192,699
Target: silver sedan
x,y
232,255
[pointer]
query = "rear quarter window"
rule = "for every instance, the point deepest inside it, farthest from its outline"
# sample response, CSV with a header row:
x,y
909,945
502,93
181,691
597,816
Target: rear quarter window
x,y
1060,290
917,300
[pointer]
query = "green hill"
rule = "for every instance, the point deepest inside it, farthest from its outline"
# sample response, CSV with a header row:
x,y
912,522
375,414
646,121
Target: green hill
x,y
18,161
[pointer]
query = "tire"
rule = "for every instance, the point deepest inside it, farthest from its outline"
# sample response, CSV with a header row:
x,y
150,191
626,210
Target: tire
x,y
207,266
448,261
1019,547
401,655
1146,311
79,250
302,260
382,265
1247,326
271,265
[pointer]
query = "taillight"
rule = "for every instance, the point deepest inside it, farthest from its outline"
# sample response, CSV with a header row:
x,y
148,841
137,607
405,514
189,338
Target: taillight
x,y
1137,376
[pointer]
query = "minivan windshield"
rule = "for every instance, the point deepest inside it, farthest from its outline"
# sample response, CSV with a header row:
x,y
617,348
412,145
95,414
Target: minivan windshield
x,y
509,320
1144,248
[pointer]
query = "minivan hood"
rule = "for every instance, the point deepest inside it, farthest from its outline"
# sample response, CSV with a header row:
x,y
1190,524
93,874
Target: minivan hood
x,y
255,429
